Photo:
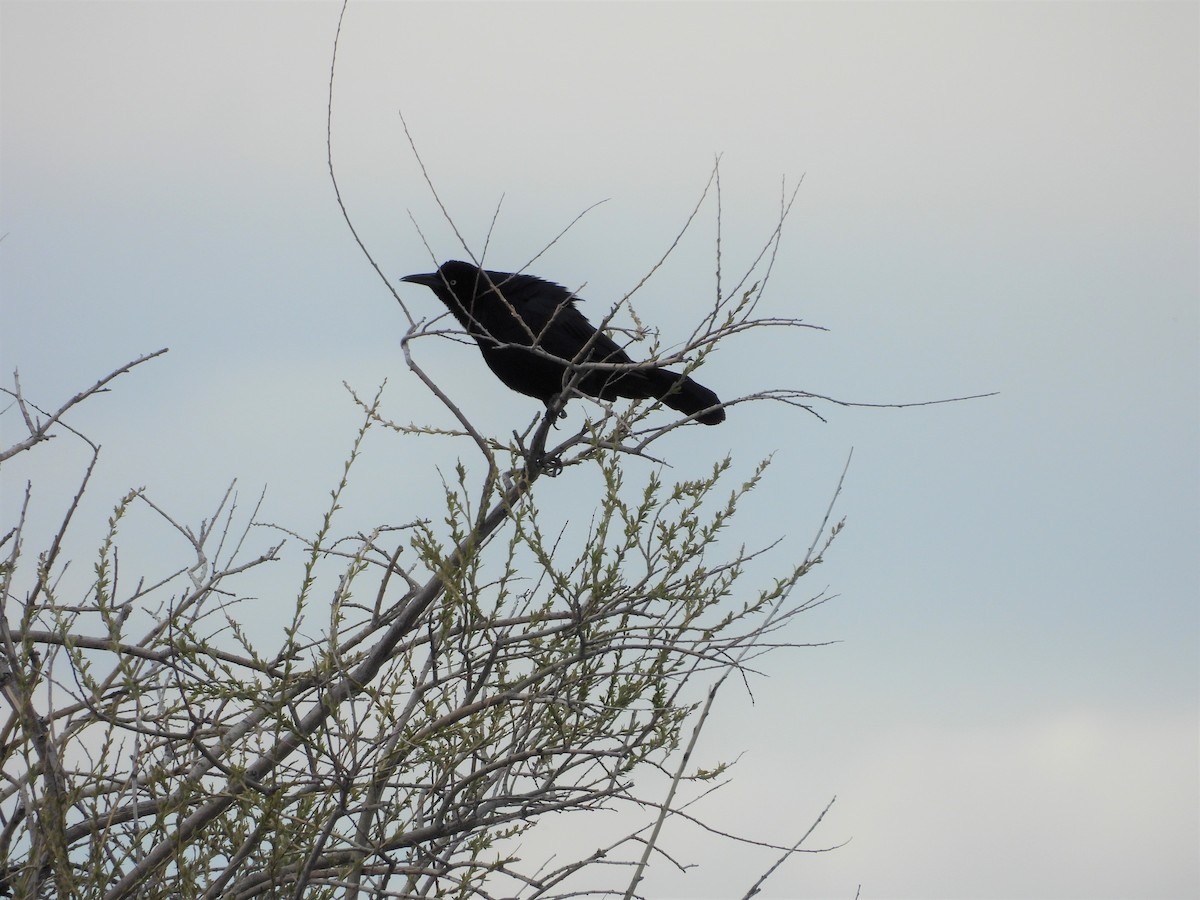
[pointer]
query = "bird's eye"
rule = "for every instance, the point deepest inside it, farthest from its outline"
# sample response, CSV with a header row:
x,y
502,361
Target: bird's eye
x,y
451,282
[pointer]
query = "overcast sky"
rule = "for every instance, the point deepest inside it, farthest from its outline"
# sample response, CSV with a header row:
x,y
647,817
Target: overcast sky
x,y
996,197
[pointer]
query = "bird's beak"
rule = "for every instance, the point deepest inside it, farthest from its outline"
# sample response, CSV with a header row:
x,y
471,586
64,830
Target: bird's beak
x,y
431,279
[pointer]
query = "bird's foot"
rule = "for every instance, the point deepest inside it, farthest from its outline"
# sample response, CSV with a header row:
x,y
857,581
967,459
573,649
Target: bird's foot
x,y
550,466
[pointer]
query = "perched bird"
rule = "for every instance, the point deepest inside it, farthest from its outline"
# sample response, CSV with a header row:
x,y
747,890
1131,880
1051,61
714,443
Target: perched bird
x,y
508,314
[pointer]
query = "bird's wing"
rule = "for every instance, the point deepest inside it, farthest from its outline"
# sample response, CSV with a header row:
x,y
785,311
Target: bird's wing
x,y
571,331
533,300
557,325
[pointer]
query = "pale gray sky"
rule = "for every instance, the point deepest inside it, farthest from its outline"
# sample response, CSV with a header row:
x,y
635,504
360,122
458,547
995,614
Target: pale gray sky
x,y
997,197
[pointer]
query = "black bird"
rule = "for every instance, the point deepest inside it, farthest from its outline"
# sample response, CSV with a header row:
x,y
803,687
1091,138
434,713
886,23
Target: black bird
x,y
507,314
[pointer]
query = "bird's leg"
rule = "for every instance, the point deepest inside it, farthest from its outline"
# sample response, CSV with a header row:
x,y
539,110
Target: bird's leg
x,y
537,458
560,413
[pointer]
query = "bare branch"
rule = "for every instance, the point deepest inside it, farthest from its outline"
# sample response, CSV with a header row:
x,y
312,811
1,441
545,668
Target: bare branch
x,y
40,431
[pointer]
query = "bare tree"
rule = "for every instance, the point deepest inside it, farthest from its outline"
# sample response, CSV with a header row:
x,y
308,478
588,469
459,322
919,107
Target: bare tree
x,y
472,673
453,701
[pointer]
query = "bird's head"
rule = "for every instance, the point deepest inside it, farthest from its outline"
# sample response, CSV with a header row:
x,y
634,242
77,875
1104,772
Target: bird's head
x,y
454,279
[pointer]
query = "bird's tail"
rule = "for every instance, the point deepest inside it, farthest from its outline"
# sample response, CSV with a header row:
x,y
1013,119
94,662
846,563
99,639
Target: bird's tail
x,y
683,395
